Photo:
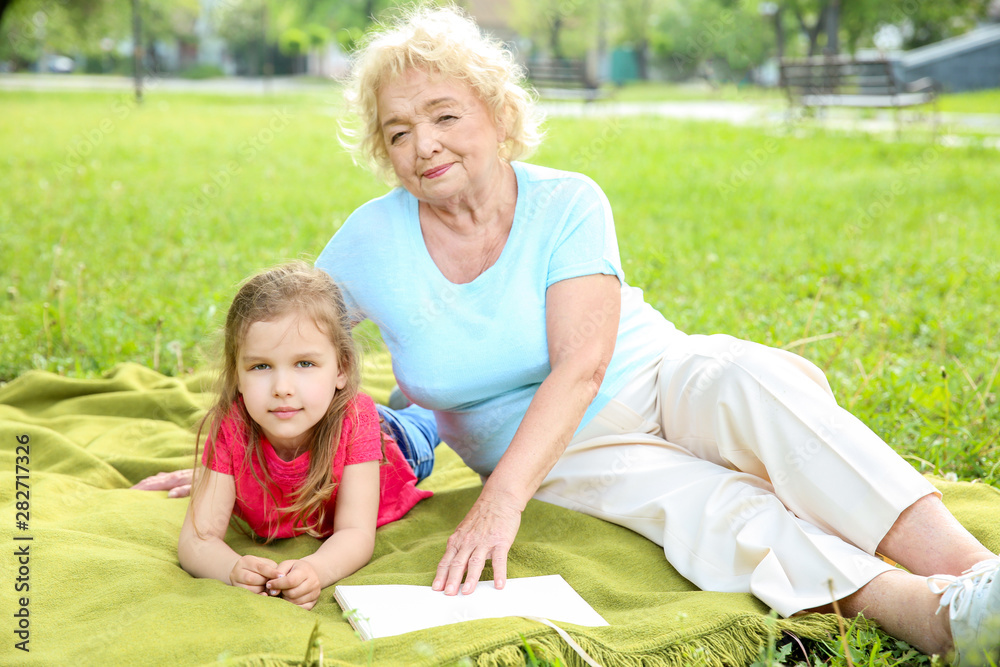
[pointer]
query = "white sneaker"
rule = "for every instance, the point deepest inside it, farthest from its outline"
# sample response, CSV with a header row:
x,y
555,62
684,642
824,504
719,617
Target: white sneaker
x,y
973,603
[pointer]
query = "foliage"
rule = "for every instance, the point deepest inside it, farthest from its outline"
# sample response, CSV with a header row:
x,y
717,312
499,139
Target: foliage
x,y
921,21
929,22
713,38
127,229
865,644
558,28
85,27
202,72
715,31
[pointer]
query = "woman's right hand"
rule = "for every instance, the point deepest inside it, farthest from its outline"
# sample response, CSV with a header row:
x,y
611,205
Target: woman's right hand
x,y
253,573
486,533
177,483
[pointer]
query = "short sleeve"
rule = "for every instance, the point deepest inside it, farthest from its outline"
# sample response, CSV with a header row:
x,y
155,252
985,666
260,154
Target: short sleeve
x,y
229,439
361,435
586,243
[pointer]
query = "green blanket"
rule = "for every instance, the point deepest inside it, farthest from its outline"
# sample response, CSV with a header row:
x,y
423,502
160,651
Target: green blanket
x,y
105,586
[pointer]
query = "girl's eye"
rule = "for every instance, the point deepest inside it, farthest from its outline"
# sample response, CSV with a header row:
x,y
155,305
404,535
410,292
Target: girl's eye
x,y
259,367
306,364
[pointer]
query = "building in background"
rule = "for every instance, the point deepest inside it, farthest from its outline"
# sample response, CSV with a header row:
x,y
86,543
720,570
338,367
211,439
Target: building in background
x,y
967,62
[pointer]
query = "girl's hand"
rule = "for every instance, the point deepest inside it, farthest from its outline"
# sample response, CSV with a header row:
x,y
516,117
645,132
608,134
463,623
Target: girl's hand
x,y
297,582
486,533
252,573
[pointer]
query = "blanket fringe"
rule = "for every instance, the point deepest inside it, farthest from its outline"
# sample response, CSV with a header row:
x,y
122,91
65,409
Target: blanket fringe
x,y
730,645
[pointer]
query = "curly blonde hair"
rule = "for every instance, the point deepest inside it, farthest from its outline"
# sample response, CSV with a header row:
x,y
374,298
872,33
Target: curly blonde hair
x,y
441,41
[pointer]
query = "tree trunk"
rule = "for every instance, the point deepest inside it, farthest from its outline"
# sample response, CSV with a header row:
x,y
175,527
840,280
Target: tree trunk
x,y
813,32
137,50
833,28
779,34
554,29
641,61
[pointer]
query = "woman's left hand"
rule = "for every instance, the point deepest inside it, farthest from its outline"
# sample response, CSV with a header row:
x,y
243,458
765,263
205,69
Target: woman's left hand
x,y
178,483
486,533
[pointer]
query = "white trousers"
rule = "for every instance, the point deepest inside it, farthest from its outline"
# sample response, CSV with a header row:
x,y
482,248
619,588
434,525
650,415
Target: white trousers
x,y
736,458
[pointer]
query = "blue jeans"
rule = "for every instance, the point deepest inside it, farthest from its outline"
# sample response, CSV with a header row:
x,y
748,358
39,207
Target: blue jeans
x,y
415,431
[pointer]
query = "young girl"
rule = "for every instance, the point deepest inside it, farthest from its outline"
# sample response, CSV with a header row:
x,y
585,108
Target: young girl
x,y
292,445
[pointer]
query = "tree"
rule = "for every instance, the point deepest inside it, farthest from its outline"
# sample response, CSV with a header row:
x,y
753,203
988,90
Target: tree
x,y
927,22
635,20
699,37
557,28
35,27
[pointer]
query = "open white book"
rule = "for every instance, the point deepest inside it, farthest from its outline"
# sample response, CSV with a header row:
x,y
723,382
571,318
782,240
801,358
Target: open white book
x,y
383,611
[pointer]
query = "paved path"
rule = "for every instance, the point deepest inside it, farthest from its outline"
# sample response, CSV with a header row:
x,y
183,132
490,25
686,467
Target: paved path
x,y
227,85
740,113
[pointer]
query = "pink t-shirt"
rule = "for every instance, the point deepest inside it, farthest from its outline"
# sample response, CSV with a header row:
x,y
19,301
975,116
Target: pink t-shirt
x,y
359,442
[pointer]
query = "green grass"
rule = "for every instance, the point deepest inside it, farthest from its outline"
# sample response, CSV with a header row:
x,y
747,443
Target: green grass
x,y
125,231
980,101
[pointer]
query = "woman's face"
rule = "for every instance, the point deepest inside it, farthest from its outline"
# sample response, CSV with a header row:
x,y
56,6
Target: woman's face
x,y
440,137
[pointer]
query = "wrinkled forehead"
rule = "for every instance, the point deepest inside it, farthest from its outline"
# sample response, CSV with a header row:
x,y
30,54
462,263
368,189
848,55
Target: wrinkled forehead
x,y
418,90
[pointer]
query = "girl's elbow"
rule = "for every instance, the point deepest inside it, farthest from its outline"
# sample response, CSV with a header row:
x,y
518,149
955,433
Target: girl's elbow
x,y
368,548
184,555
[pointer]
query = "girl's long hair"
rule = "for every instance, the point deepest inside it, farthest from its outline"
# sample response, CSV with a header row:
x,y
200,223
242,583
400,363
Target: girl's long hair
x,y
302,289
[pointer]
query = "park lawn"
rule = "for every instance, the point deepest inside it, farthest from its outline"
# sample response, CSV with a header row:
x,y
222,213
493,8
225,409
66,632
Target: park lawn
x,y
126,230
979,101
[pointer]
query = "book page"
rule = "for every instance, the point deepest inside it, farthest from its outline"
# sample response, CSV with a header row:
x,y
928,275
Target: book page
x,y
395,609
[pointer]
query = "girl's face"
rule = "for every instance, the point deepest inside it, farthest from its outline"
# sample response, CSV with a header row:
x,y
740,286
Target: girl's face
x,y
288,374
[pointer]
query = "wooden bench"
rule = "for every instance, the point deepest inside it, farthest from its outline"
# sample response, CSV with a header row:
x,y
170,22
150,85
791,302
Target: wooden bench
x,y
563,79
841,81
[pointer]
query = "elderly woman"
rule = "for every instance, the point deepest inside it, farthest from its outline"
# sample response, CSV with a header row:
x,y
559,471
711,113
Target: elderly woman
x,y
499,292
498,289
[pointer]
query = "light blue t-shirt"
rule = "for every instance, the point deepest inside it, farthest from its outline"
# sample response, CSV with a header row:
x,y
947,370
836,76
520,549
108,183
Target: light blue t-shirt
x,y
475,353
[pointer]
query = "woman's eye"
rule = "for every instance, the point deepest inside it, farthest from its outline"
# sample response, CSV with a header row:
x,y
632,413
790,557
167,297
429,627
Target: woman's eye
x,y
397,136
445,118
